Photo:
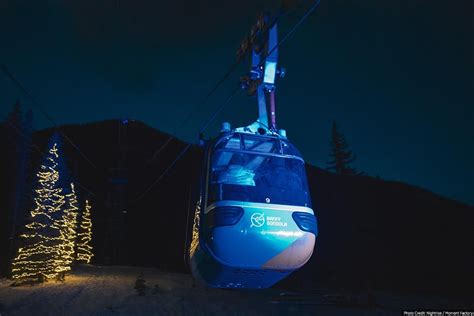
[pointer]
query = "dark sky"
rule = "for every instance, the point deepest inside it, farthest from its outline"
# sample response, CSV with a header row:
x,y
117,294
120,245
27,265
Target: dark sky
x,y
396,75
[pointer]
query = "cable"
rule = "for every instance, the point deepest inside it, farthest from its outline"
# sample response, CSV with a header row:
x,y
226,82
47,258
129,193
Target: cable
x,y
188,146
293,29
43,111
42,155
283,40
228,73
19,132
213,117
193,110
171,165
53,122
208,95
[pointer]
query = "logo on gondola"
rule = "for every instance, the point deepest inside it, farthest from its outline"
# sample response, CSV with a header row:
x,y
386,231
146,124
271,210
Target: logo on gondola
x,y
257,220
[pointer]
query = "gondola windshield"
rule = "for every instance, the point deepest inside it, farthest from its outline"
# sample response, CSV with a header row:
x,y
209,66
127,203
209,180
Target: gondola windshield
x,y
256,169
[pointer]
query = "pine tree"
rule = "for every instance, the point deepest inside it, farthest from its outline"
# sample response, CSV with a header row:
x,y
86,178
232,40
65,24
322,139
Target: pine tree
x,y
18,134
69,226
41,257
70,213
10,137
84,248
26,164
341,156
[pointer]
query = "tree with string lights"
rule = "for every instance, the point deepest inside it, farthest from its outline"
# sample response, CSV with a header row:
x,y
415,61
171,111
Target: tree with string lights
x,y
41,256
69,226
84,249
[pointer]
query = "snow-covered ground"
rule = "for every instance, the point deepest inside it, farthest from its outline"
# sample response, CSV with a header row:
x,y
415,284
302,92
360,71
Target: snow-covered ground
x,y
93,290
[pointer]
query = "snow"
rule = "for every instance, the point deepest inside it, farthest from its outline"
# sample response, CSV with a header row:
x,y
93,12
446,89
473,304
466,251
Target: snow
x,y
95,290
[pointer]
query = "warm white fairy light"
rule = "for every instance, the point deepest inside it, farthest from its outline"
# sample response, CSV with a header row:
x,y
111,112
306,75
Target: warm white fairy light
x,y
195,232
42,256
84,249
69,227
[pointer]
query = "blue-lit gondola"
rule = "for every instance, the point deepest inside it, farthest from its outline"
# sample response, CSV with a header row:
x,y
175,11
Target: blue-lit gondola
x,y
253,222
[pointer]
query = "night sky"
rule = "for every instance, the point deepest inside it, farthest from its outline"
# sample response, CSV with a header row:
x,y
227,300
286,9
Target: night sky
x,y
397,76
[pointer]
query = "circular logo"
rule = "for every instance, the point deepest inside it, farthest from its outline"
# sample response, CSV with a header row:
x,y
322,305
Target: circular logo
x,y
257,220
267,200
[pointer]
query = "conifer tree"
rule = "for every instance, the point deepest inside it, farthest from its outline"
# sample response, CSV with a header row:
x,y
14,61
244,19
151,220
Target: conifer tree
x,y
342,157
41,257
18,130
10,141
84,248
69,226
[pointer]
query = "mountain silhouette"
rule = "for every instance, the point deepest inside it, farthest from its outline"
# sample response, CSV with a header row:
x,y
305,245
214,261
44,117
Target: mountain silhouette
x,y
373,233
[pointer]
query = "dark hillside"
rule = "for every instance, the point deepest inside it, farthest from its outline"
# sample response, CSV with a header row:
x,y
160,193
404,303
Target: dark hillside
x,y
389,235
373,233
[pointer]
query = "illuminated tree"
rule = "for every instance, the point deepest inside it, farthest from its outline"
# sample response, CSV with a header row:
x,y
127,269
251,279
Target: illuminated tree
x,y
84,249
41,257
342,157
69,226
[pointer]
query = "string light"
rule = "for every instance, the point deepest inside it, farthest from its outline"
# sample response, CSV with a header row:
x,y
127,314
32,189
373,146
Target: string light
x,y
195,235
69,227
42,257
84,249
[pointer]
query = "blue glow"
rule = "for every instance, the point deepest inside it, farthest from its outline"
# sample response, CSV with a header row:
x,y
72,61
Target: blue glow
x,y
306,222
282,233
224,216
270,72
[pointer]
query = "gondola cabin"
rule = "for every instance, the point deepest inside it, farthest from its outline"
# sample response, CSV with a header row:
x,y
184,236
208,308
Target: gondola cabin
x,y
253,220
253,223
